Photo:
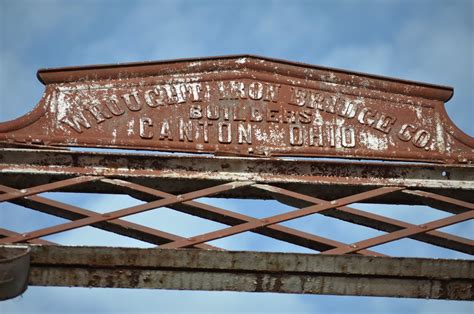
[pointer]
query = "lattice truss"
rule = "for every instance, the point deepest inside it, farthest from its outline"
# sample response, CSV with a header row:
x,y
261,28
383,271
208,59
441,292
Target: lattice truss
x,y
304,204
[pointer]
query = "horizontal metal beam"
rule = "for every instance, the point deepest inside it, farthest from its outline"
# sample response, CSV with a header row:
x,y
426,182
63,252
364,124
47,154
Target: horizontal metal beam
x,y
188,269
178,174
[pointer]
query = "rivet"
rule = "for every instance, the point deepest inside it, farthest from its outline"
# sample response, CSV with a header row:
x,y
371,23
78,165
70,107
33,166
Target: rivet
x,y
23,191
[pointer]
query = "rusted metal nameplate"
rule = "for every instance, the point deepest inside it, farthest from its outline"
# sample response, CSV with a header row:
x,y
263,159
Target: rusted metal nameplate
x,y
242,105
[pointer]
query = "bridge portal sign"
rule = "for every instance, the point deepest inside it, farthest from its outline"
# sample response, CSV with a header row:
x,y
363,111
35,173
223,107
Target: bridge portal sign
x,y
242,105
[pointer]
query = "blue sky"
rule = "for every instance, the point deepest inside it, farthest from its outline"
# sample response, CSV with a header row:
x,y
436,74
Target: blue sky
x,y
429,41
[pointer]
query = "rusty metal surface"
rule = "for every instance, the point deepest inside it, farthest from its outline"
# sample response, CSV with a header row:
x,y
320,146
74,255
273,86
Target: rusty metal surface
x,y
14,271
179,174
8,233
379,222
242,105
241,223
46,187
94,219
232,218
246,111
297,213
125,228
251,224
92,172
24,173
251,271
411,230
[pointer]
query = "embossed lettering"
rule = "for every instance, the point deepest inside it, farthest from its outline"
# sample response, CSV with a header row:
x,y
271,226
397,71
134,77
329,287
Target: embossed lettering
x,y
384,124
245,133
77,121
316,100
212,112
146,130
230,121
113,105
348,137
331,102
405,133
366,117
185,130
132,101
239,114
194,89
289,116
226,113
256,90
298,97
205,130
174,94
271,92
348,110
256,115
305,116
195,112
332,136
155,97
272,115
421,138
224,132
98,113
165,131
296,135
232,90
316,133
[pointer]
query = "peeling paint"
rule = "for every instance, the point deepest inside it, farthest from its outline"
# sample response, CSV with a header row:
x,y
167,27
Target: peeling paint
x,y
374,142
247,106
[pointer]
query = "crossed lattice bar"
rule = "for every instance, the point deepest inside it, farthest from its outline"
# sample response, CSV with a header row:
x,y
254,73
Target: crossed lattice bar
x,y
8,233
47,205
118,226
238,223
